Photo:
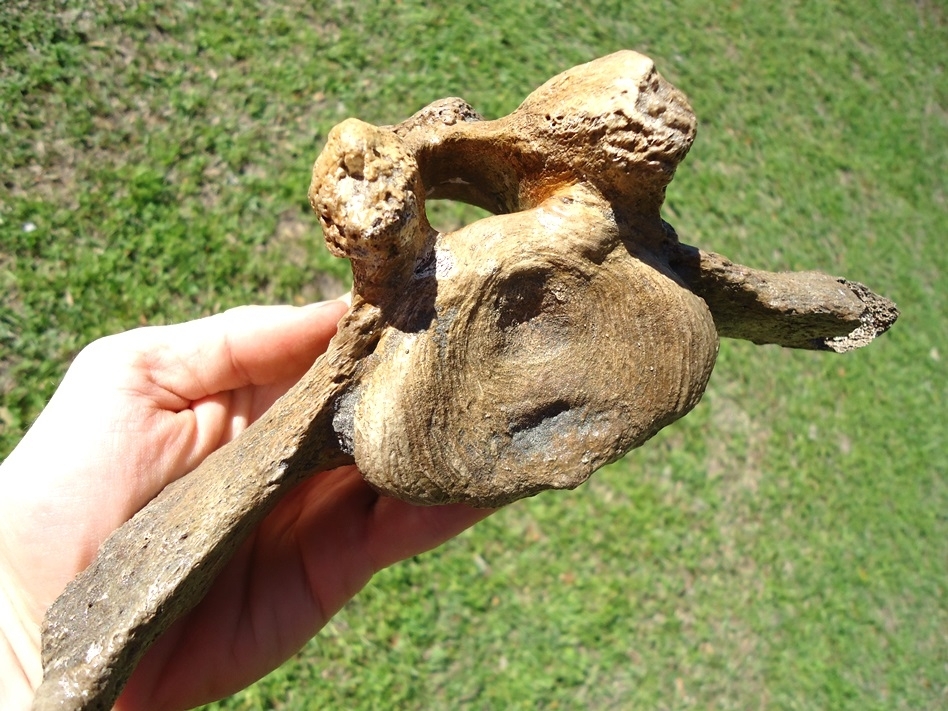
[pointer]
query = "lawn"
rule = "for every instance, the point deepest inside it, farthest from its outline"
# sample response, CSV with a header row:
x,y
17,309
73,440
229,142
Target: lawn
x,y
784,546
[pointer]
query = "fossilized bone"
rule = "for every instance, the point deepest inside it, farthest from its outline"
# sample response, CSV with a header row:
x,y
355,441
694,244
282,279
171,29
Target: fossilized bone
x,y
517,354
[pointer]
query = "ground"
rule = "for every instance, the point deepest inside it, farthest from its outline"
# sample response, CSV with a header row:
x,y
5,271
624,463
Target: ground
x,y
783,546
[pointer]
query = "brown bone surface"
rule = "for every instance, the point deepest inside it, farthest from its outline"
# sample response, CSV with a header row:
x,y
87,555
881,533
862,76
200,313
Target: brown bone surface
x,y
517,354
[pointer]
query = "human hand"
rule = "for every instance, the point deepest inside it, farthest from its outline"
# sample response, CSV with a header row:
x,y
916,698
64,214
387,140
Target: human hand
x,y
143,408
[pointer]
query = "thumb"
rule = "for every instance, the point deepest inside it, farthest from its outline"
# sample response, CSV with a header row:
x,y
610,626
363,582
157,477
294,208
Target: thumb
x,y
248,345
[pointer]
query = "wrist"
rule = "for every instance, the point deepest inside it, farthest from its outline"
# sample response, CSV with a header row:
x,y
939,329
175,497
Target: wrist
x,y
20,665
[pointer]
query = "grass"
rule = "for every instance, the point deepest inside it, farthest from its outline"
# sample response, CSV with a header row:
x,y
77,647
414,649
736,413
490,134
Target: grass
x,y
784,546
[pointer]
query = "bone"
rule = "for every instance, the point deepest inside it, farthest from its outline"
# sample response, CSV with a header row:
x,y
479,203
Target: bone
x,y
806,310
161,562
614,124
517,354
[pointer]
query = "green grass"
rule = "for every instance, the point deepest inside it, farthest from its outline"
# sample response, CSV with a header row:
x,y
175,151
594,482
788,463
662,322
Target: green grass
x,y
784,546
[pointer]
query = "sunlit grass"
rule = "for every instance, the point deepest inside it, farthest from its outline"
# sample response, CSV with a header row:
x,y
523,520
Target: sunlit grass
x,y
784,546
